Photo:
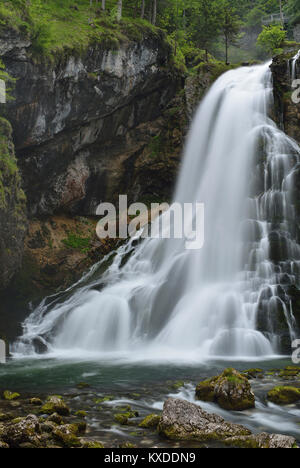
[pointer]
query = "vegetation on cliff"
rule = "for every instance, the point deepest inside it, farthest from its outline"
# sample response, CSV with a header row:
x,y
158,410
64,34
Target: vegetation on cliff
x,y
12,207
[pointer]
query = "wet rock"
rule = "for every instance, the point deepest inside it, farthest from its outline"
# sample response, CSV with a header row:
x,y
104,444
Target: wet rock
x,y
10,396
150,421
81,414
262,440
27,430
182,420
284,395
56,418
5,417
67,436
93,445
55,404
253,373
127,445
3,445
231,391
35,401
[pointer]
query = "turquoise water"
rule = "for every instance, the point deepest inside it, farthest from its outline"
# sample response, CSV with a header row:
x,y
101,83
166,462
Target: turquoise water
x,y
144,388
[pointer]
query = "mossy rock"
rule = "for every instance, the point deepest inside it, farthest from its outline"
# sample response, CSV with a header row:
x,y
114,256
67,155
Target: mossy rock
x,y
93,445
35,401
55,404
5,417
121,419
231,391
253,373
67,440
150,422
81,414
205,391
127,445
284,395
82,385
11,396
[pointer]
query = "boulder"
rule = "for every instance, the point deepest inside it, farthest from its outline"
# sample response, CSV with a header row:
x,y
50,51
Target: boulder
x,y
26,430
284,395
262,440
55,404
230,390
182,420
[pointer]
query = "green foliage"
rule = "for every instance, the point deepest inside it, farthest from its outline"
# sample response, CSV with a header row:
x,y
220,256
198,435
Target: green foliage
x,y
75,241
55,26
272,38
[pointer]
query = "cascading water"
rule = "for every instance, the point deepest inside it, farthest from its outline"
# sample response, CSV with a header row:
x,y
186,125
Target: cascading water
x,y
227,299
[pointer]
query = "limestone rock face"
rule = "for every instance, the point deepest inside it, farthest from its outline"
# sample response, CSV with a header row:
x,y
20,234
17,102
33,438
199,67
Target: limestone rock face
x,y
78,122
182,420
231,390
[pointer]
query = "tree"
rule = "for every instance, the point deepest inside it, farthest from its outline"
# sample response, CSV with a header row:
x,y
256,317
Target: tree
x,y
271,38
154,16
205,24
143,9
230,24
119,10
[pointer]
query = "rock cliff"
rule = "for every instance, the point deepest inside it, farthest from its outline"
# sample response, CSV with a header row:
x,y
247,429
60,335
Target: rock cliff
x,y
79,120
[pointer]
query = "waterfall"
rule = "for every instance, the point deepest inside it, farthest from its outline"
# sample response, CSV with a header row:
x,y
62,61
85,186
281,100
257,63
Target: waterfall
x,y
294,66
228,299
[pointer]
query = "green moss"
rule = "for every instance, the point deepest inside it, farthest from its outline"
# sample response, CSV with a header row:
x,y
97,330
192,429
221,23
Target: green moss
x,y
81,414
67,440
93,445
284,395
75,241
56,28
150,422
121,419
8,395
205,391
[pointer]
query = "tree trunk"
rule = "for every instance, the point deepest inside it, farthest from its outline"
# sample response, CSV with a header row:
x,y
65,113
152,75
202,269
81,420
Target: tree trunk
x,y
154,12
226,46
103,5
143,9
119,10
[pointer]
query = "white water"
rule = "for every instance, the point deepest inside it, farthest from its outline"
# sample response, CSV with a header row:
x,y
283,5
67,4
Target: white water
x,y
294,65
171,303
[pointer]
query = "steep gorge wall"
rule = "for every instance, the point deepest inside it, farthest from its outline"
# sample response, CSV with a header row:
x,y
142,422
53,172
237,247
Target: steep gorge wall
x,y
78,121
13,222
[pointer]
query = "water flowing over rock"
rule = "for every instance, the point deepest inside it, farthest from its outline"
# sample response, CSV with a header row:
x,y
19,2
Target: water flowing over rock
x,y
228,298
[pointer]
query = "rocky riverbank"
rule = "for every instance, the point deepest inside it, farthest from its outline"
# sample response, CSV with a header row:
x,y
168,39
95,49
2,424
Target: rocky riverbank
x,y
71,420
